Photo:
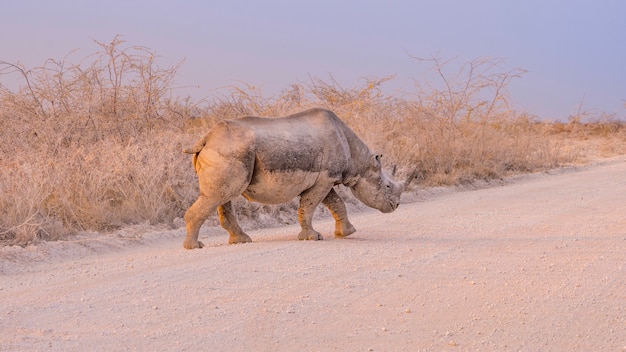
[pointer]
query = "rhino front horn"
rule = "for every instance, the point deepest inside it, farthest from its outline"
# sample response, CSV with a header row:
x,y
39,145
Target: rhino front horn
x,y
411,177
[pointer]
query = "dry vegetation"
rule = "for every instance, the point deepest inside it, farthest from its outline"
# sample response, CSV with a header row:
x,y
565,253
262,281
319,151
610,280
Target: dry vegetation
x,y
96,145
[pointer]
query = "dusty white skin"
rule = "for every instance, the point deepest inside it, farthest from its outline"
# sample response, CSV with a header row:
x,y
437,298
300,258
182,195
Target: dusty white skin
x,y
273,160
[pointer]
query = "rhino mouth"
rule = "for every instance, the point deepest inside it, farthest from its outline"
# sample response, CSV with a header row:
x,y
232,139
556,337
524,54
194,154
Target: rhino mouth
x,y
391,206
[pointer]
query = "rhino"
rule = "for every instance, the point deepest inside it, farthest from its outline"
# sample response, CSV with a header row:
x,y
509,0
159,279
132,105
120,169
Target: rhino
x,y
273,160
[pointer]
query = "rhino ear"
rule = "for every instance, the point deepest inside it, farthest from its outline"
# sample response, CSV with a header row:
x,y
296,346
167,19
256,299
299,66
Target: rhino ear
x,y
375,161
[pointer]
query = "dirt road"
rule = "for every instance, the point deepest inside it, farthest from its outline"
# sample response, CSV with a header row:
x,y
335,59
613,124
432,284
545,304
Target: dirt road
x,y
539,264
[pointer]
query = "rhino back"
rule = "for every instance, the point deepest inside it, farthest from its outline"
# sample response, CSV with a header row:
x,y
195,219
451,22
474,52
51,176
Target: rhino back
x,y
308,141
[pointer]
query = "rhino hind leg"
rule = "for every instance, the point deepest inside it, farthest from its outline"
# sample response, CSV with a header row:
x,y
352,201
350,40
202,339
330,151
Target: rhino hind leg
x,y
334,203
194,218
233,177
229,223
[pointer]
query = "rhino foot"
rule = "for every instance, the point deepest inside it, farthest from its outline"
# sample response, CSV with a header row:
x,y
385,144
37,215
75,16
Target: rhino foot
x,y
310,235
193,244
344,229
243,238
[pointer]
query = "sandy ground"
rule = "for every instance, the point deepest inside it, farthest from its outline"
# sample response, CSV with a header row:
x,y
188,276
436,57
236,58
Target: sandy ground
x,y
537,264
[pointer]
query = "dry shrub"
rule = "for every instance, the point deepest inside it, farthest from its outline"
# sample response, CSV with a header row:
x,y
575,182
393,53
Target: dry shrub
x,y
92,146
595,135
23,216
112,184
96,145
100,187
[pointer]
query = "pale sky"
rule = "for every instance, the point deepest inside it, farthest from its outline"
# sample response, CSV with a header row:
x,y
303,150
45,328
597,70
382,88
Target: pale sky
x,y
574,51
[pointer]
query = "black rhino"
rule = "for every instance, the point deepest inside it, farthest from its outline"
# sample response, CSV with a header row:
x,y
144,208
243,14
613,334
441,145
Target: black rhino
x,y
273,160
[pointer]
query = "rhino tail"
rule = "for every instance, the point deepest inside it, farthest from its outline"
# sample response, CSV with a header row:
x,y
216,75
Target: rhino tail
x,y
196,148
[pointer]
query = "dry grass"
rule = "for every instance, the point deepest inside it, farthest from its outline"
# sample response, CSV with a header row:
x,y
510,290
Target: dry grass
x,y
96,145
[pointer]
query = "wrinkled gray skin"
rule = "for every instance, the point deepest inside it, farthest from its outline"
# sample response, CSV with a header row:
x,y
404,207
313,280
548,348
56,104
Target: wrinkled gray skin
x,y
273,160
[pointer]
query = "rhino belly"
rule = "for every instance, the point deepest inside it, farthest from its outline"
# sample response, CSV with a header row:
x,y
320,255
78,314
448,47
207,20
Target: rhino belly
x,y
279,187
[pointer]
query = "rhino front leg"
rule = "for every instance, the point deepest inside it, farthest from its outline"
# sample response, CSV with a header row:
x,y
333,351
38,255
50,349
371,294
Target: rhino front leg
x,y
309,200
337,207
230,224
194,218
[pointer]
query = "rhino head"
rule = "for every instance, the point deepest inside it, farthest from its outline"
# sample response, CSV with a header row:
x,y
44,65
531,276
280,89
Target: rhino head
x,y
375,189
